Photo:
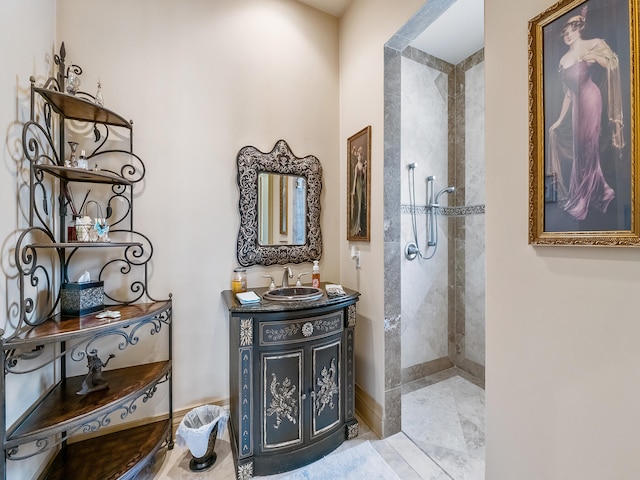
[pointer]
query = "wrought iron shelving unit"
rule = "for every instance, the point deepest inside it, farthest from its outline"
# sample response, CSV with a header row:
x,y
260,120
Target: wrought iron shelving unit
x,y
78,430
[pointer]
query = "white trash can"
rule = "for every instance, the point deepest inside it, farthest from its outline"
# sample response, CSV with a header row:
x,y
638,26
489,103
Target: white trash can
x,y
198,430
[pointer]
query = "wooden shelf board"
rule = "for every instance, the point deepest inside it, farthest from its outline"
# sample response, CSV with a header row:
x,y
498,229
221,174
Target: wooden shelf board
x,y
60,328
63,408
86,244
76,108
115,456
81,175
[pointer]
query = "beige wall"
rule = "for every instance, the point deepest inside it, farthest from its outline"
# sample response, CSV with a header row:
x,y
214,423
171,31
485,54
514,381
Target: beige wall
x,y
563,361
23,56
364,29
27,32
201,80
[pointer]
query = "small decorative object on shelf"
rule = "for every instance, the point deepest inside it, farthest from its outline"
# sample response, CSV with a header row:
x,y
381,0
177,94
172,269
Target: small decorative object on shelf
x,y
99,99
94,380
83,229
73,158
102,229
73,81
82,161
82,297
88,230
109,314
75,215
71,232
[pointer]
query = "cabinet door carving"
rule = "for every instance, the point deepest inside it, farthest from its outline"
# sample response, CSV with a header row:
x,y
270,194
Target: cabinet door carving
x,y
282,396
327,400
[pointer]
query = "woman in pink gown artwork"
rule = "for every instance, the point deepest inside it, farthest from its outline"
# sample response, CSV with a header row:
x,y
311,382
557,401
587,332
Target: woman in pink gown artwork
x,y
582,104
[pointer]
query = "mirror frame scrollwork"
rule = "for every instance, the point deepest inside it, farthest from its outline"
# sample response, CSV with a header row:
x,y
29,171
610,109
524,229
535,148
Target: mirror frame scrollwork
x,y
281,160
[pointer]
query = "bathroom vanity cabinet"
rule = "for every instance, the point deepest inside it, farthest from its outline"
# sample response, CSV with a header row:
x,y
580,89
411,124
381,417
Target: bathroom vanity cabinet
x,y
67,379
291,381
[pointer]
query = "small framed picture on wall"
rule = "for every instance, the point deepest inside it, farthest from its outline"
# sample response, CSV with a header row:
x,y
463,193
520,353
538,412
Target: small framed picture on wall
x,y
359,186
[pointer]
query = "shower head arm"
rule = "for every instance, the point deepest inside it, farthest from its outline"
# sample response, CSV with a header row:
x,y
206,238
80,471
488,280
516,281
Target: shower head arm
x,y
436,202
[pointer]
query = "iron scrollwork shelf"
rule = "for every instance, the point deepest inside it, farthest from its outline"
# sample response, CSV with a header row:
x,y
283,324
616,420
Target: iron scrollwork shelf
x,y
88,176
38,338
126,259
43,430
81,334
44,436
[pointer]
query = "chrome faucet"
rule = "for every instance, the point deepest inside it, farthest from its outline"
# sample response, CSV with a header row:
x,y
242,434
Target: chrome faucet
x,y
286,276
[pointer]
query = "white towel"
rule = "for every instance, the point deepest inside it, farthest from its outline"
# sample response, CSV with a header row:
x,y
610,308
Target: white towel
x,y
247,297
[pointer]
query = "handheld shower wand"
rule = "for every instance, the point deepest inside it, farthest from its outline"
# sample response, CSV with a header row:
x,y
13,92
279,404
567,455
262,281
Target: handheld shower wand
x,y
411,249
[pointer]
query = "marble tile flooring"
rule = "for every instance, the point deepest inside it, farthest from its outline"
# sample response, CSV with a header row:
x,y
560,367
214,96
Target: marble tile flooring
x,y
444,416
442,438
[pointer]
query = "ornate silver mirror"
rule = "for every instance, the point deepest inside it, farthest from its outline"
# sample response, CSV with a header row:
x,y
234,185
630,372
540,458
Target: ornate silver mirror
x,y
279,206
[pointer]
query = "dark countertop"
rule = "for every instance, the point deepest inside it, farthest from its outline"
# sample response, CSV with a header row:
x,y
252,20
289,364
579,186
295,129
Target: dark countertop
x,y
267,306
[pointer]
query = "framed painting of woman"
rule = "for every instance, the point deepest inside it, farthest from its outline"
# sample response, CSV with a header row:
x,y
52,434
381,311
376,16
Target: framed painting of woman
x,y
583,112
359,186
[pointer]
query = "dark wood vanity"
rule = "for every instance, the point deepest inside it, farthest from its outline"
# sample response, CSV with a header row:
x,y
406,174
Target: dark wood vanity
x,y
291,381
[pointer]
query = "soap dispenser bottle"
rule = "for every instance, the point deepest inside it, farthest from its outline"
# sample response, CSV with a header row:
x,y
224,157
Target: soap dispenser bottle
x,y
315,275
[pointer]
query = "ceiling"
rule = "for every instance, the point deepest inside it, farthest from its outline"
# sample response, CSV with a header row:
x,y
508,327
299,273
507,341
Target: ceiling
x,y
332,7
452,37
456,34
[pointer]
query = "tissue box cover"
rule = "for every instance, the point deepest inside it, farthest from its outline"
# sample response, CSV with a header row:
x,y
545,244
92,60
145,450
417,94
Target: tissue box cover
x,y
79,299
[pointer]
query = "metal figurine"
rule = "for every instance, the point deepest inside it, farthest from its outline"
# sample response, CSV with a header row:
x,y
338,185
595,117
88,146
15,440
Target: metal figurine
x,y
94,381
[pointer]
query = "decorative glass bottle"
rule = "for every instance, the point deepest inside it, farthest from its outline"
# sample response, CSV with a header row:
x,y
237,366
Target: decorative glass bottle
x,y
99,99
73,156
73,81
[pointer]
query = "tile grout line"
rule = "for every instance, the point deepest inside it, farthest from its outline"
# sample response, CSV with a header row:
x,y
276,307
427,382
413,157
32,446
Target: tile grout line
x,y
409,462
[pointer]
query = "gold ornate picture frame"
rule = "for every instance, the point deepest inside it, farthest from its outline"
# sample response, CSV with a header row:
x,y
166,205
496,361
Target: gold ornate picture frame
x,y
583,116
359,186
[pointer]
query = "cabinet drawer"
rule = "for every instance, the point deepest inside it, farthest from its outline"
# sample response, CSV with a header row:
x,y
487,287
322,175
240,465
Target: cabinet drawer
x,y
282,332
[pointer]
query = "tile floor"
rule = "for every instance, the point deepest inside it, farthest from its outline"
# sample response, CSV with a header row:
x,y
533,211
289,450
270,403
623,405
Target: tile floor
x,y
442,440
443,415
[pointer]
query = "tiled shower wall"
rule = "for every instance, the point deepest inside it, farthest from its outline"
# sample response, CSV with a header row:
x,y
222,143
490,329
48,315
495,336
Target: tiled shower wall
x,y
442,298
